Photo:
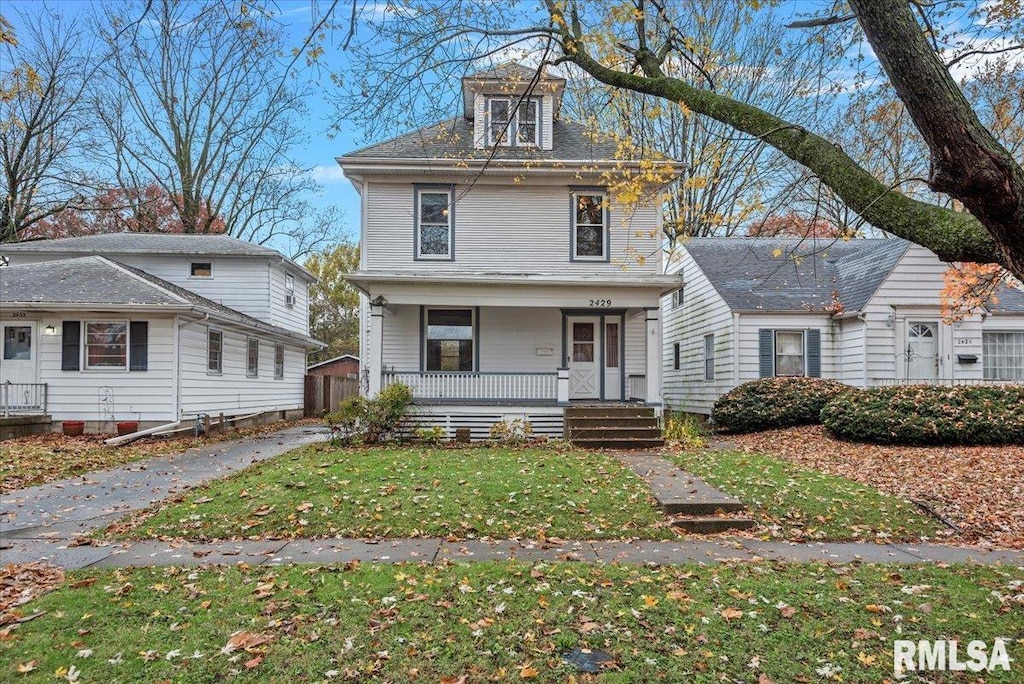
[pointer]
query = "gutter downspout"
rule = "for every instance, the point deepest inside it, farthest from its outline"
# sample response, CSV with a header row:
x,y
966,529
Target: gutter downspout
x,y
124,439
177,379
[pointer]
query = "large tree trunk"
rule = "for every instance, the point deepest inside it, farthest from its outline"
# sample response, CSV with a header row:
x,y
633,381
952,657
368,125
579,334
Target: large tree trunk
x,y
968,163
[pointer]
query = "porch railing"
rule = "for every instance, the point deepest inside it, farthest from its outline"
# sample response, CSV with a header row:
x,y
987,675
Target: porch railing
x,y
23,398
464,386
637,387
947,382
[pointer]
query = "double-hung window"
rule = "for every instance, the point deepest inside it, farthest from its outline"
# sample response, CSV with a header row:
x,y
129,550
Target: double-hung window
x,y
589,227
450,340
709,357
289,289
278,361
434,231
518,128
214,351
1002,355
789,352
252,357
106,345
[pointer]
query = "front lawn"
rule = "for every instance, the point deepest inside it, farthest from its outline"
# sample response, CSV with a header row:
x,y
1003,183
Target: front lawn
x,y
506,622
409,492
801,504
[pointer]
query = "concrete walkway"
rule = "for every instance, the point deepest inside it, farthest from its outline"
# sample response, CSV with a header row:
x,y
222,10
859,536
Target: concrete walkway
x,y
74,507
49,522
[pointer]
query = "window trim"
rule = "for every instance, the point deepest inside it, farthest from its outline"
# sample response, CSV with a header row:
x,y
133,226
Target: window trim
x,y
424,323
775,351
191,263
511,138
418,190
210,331
709,357
85,366
278,367
249,371
574,194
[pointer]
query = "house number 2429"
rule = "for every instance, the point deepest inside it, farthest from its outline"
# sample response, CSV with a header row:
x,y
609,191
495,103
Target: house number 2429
x,y
600,302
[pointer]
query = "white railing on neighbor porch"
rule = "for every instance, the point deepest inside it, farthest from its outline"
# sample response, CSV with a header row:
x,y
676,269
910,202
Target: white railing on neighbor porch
x,y
637,387
22,398
947,382
465,386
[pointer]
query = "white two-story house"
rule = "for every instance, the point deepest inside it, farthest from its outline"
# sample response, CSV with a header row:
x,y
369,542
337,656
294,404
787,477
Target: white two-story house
x,y
153,328
502,274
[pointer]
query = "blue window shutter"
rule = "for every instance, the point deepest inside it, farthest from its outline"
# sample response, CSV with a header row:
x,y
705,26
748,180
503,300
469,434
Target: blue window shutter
x,y
70,341
766,350
814,353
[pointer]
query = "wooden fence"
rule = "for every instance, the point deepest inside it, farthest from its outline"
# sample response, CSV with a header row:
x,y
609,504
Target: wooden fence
x,y
324,393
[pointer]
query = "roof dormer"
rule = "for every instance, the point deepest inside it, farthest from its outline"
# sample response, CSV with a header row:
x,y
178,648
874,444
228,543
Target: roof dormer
x,y
512,106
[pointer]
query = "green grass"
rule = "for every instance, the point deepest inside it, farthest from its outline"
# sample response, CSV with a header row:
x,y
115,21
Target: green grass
x,y
796,503
410,492
501,621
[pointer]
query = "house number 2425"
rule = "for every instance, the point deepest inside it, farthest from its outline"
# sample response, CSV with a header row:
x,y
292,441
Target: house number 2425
x,y
600,302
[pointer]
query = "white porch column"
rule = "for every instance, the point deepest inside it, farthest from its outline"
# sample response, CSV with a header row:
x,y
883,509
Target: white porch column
x,y
654,352
563,386
375,362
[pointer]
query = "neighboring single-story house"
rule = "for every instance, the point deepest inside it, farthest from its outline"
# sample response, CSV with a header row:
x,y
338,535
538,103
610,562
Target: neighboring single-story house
x,y
90,333
863,311
344,366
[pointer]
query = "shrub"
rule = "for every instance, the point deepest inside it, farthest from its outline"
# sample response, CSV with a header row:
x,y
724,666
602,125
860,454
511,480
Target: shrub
x,y
772,403
684,428
929,415
371,420
432,435
512,432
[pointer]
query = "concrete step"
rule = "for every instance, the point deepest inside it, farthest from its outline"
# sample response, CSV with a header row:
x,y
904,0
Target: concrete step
x,y
639,432
695,507
712,524
618,443
606,421
572,412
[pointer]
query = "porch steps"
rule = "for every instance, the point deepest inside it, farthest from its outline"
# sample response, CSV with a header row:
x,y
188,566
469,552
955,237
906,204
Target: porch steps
x,y
712,524
613,427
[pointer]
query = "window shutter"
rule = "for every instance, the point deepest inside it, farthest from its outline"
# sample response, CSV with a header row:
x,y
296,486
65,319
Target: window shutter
x,y
814,353
766,348
138,358
70,357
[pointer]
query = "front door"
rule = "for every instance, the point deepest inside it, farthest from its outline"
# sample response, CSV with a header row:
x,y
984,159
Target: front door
x,y
922,350
18,363
584,357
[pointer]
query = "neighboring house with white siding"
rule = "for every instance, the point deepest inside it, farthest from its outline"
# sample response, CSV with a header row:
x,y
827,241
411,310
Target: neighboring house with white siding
x,y
864,311
152,328
499,275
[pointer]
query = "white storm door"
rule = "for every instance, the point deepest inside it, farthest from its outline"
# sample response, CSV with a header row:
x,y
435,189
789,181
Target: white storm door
x,y
613,358
18,360
922,350
584,357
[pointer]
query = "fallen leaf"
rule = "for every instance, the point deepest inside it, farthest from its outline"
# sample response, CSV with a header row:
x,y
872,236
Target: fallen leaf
x,y
24,668
732,613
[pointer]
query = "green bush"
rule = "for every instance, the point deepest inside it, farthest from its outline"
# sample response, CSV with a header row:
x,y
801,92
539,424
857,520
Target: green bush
x,y
684,428
772,403
929,415
370,421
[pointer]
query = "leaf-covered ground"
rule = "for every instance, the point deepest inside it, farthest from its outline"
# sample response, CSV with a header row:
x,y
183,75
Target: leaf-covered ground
x,y
980,489
37,459
415,492
797,503
507,622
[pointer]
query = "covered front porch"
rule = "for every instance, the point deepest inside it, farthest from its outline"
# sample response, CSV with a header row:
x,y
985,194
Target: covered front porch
x,y
516,343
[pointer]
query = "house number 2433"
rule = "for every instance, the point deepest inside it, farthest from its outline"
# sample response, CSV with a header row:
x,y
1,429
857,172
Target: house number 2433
x,y
600,302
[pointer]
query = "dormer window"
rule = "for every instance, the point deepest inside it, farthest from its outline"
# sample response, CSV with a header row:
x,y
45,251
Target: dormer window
x,y
521,130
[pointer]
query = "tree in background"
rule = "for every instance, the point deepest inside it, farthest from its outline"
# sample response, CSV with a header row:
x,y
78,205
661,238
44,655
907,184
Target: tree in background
x,y
333,303
45,129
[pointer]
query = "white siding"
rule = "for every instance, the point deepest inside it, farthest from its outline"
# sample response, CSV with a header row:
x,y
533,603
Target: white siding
x,y
136,395
296,316
231,391
512,227
703,312
850,346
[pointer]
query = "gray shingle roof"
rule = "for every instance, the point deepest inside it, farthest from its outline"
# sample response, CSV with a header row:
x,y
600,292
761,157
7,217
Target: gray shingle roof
x,y
96,280
84,280
806,276
453,139
510,71
1008,300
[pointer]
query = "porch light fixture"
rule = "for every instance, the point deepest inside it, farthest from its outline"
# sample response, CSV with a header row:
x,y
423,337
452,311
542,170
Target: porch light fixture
x,y
49,330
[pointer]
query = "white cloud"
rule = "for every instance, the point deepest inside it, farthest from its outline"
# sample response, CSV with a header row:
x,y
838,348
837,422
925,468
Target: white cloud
x,y
328,174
